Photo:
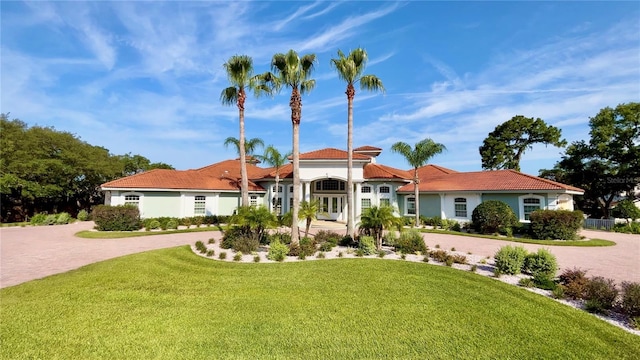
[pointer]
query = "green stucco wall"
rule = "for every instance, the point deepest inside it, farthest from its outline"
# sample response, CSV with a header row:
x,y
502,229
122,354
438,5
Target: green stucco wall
x,y
510,199
227,203
429,205
157,204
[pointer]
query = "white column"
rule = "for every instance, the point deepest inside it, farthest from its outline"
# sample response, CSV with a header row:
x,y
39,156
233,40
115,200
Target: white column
x,y
443,214
357,202
307,191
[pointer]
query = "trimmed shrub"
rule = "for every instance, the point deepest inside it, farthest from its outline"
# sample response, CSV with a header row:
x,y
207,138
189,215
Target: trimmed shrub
x,y
256,259
172,224
346,240
558,292
210,253
325,236
439,255
284,238
246,244
222,255
510,259
63,218
277,251
326,246
367,244
410,241
153,224
556,224
574,282
600,294
542,265
459,259
116,218
630,228
50,220
294,249
493,216
307,246
237,257
631,298
526,282
83,215
38,219
390,238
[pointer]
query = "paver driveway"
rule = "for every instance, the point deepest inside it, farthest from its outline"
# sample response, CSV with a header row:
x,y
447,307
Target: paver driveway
x,y
35,252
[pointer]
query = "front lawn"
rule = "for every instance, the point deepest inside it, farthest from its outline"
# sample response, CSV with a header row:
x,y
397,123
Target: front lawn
x,y
173,304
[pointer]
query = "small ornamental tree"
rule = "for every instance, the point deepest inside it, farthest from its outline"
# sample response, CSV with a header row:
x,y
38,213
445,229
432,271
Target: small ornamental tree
x,y
627,210
493,216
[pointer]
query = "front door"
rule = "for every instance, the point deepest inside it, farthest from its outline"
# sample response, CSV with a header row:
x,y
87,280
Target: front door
x,y
331,207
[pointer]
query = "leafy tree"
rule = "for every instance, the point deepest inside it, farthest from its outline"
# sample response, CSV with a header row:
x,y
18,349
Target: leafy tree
x,y
375,219
135,164
276,159
504,146
292,71
608,164
239,70
417,157
350,68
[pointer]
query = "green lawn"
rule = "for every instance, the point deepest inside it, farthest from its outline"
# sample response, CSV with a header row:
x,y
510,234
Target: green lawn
x,y
584,243
88,234
172,304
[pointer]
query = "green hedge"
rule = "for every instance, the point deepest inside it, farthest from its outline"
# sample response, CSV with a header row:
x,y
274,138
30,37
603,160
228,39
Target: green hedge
x,y
556,224
117,218
493,216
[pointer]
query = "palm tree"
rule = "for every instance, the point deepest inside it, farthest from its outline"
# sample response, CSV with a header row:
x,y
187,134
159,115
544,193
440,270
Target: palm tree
x,y
240,73
308,212
250,145
417,157
293,71
350,69
274,158
375,219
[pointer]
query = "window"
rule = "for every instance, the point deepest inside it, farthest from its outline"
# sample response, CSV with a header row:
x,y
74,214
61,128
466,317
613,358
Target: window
x,y
334,205
365,189
199,206
366,204
325,205
385,189
253,200
460,205
273,188
291,188
329,185
530,205
278,205
132,200
290,203
385,202
411,205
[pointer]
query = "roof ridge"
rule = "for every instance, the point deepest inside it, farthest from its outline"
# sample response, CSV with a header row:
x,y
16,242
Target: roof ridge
x,y
551,182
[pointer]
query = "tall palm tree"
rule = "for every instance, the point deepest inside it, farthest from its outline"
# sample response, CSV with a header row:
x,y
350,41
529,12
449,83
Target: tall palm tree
x,y
350,68
417,157
274,158
250,145
239,70
293,71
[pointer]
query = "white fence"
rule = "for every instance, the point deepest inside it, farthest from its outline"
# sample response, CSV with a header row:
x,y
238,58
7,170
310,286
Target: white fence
x,y
599,224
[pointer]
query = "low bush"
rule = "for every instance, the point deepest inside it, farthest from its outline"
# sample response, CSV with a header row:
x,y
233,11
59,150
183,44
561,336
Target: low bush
x,y
459,259
556,224
283,238
256,259
631,298
439,255
390,238
116,218
222,255
448,261
83,215
295,249
493,216
381,254
321,255
542,265
172,224
410,241
308,246
367,244
474,268
630,228
326,246
600,294
510,259
526,282
346,240
325,236
277,251
237,257
50,220
63,218
210,253
558,292
545,284
246,244
211,241
38,219
154,224
574,281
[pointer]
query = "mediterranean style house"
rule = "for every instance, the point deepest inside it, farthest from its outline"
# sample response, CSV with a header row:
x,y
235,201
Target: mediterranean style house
x,y
449,194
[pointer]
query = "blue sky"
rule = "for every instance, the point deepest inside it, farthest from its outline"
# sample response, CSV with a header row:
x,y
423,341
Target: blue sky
x,y
146,77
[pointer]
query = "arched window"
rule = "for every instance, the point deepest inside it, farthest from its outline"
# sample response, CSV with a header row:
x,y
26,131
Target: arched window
x,y
460,205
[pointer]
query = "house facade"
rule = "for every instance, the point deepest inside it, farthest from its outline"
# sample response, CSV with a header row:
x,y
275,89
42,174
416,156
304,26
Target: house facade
x,y
449,194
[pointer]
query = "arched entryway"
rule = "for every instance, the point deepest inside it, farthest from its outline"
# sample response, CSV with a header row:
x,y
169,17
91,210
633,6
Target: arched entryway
x,y
332,196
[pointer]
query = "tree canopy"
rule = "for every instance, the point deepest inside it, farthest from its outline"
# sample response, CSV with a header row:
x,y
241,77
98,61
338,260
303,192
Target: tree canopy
x,y
503,148
608,165
42,169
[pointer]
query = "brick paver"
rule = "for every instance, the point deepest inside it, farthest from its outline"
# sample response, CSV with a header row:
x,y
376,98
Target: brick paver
x,y
35,252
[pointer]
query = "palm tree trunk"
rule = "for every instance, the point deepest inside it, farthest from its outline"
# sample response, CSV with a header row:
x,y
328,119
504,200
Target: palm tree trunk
x,y
277,195
416,194
296,112
244,186
351,213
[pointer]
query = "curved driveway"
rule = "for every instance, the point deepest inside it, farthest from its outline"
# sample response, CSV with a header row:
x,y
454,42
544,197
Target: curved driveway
x,y
30,252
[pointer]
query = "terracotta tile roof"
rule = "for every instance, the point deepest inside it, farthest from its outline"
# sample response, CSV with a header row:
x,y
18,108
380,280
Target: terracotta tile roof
x,y
497,180
219,176
367,148
286,171
377,171
331,154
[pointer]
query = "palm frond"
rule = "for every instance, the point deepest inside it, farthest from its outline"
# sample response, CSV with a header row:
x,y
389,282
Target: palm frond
x,y
229,96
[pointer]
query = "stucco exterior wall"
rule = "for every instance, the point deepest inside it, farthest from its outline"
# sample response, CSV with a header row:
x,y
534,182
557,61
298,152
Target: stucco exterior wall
x,y
157,204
